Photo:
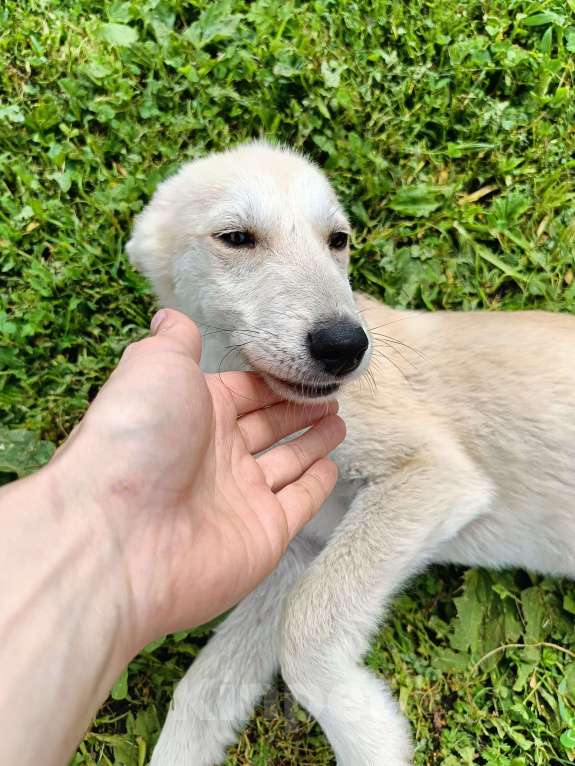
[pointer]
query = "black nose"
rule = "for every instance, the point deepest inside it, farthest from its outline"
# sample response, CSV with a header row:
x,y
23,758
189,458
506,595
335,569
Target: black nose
x,y
339,346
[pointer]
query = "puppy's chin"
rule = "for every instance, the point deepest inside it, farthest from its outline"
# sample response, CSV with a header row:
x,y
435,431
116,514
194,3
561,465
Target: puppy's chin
x,y
301,392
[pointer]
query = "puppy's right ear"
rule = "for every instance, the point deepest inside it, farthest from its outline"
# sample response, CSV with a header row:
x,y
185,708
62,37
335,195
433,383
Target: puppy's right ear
x,y
144,240
151,247
134,249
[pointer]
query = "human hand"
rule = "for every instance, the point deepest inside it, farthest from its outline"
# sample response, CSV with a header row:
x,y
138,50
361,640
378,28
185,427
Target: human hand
x,y
165,460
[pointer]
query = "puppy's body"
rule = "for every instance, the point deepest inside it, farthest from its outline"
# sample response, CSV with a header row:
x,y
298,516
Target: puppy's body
x,y
502,387
461,448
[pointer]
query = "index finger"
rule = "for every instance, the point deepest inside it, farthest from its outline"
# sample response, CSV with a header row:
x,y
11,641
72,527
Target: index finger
x,y
247,389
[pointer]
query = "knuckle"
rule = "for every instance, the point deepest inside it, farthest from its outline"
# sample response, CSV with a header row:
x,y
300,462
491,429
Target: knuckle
x,y
277,423
299,454
312,488
130,351
245,436
136,348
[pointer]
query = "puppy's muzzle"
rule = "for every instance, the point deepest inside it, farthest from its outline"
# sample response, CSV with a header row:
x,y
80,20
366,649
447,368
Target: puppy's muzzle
x,y
338,346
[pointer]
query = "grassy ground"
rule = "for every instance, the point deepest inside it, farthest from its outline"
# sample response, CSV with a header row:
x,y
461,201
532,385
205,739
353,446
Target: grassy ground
x,y
447,126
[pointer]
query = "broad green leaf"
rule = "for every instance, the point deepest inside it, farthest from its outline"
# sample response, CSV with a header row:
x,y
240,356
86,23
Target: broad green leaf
x,y
63,179
565,712
419,200
570,680
118,34
11,113
22,451
466,636
124,748
569,602
542,19
331,74
534,612
567,739
513,625
97,69
215,23
144,723
546,42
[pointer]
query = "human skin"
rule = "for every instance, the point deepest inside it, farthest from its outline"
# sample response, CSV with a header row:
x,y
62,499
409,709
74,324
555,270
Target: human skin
x,y
154,516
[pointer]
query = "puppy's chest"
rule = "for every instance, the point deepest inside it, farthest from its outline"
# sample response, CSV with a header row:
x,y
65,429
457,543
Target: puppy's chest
x,y
378,441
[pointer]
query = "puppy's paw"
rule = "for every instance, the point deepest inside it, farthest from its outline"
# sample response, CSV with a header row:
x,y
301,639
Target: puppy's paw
x,y
397,751
201,724
191,742
371,731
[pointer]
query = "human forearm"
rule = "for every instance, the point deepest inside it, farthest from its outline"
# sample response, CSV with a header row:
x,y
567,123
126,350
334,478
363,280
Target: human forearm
x,y
153,516
63,612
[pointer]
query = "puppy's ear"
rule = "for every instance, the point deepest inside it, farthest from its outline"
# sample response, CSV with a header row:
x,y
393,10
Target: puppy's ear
x,y
151,247
143,243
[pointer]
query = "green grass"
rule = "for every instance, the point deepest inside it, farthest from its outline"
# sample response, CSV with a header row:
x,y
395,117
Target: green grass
x,y
447,127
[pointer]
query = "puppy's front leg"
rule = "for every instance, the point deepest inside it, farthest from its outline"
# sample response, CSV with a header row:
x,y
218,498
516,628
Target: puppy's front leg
x,y
391,531
232,671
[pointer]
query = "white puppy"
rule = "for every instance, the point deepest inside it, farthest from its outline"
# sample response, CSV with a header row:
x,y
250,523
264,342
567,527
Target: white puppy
x,y
461,449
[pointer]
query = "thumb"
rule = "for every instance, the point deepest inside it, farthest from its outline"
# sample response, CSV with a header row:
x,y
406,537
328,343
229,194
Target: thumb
x,y
175,326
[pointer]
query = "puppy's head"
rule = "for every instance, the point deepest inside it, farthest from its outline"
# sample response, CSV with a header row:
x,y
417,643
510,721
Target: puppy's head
x,y
254,243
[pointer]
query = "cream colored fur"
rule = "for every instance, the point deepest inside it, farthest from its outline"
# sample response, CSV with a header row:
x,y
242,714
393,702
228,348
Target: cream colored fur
x,y
460,448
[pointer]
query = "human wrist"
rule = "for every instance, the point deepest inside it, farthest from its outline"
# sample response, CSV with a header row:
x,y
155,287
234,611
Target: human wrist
x,y
61,571
112,504
96,543
63,612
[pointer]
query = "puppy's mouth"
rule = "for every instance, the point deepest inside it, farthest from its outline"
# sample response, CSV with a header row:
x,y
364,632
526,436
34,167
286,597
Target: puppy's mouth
x,y
301,390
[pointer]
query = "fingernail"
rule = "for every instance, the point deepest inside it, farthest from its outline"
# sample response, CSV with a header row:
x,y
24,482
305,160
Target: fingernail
x,y
157,320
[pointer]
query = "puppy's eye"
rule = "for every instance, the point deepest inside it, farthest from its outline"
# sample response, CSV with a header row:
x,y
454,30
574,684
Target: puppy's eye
x,y
237,238
338,240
